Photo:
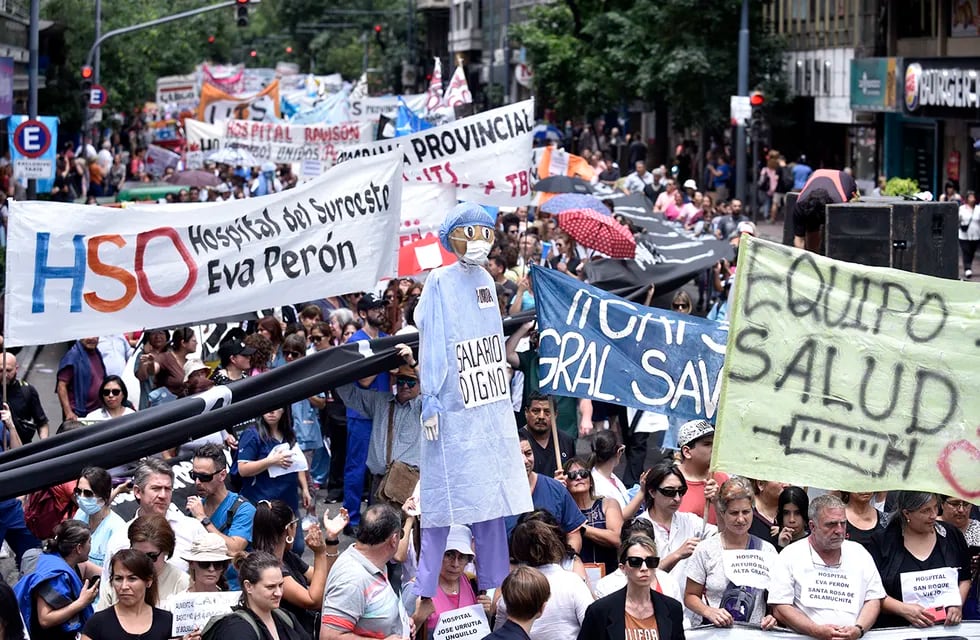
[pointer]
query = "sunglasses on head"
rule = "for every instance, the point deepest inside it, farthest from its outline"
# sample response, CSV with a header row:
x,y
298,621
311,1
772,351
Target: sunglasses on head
x,y
636,562
217,565
203,477
153,555
670,492
291,354
577,474
112,392
406,382
88,493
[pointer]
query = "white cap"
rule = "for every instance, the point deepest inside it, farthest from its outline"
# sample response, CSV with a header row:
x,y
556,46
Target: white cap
x,y
459,539
690,184
745,226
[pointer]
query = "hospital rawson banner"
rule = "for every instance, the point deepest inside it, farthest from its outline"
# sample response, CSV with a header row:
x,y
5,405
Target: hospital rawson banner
x,y
280,142
88,271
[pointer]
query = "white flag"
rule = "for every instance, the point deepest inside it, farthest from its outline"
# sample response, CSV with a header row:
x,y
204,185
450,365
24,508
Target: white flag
x,y
458,92
360,89
433,98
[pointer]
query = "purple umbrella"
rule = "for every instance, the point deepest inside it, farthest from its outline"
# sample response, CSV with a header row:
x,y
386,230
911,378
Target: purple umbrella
x,y
566,201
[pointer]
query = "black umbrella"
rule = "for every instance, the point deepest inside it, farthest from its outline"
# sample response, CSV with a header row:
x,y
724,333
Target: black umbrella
x,y
563,184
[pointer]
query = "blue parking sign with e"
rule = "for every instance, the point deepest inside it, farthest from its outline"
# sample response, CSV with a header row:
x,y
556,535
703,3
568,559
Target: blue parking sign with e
x,y
32,138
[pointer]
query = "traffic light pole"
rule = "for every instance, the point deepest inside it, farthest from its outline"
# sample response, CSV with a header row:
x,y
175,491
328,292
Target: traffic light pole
x,y
33,44
743,90
93,51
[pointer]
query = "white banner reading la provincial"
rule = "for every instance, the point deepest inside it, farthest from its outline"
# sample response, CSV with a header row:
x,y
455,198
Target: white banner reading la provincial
x,y
90,271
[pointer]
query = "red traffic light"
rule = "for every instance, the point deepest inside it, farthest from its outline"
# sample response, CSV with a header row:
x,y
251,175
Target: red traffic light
x,y
757,99
289,49
87,72
253,53
243,1
377,28
210,39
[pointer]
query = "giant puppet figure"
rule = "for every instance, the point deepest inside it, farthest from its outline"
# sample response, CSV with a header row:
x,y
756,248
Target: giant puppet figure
x,y
472,472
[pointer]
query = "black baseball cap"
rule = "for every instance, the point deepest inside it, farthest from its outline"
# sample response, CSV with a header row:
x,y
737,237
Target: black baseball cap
x,y
370,301
231,348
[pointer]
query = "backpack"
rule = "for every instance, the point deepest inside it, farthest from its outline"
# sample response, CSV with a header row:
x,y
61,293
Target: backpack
x,y
786,180
43,512
212,630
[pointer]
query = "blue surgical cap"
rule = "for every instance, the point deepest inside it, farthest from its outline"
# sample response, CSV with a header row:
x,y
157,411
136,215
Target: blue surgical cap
x,y
463,214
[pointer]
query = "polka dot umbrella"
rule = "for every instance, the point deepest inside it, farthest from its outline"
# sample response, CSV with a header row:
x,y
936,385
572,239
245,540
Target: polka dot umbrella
x,y
599,232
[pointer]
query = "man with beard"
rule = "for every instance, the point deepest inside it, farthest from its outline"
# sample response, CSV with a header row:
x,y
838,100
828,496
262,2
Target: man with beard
x,y
824,586
538,415
371,310
217,509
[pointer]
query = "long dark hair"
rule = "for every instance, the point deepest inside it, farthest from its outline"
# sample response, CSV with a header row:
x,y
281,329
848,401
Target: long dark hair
x,y
13,626
269,524
142,567
122,385
797,497
285,427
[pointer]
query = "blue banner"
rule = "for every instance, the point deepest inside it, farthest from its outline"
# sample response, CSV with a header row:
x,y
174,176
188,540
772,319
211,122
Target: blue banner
x,y
407,121
595,345
51,155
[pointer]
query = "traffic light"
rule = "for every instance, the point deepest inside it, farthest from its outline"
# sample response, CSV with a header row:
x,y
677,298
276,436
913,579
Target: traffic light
x,y
758,123
253,53
87,73
289,49
211,39
241,13
377,37
757,99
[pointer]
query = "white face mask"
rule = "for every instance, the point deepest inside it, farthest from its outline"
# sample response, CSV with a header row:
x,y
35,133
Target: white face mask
x,y
477,252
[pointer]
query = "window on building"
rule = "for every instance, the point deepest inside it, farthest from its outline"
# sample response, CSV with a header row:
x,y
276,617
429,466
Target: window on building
x,y
800,10
915,18
827,78
467,10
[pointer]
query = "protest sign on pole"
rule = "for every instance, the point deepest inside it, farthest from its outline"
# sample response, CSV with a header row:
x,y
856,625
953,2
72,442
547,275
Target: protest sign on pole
x,y
486,156
843,376
193,610
83,271
465,623
178,90
286,143
595,345
201,139
218,106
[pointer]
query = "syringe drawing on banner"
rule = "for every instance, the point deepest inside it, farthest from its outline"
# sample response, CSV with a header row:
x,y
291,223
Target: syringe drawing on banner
x,y
861,450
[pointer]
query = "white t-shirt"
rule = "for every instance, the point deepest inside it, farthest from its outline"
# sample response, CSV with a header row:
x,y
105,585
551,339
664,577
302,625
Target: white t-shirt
x,y
611,488
563,615
706,567
826,595
682,526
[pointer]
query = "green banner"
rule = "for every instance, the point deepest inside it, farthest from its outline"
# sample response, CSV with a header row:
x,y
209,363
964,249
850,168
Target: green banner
x,y
874,84
842,376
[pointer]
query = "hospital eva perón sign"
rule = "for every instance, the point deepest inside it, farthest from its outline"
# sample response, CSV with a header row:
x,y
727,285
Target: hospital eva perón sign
x,y
942,87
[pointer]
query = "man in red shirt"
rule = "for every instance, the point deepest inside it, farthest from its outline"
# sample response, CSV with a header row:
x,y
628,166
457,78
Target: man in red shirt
x,y
695,439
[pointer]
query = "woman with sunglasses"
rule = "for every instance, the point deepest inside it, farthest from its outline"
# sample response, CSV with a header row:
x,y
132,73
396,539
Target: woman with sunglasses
x,y
274,529
93,495
604,519
135,613
957,513
266,444
152,535
455,588
114,397
677,533
714,596
638,610
207,561
682,303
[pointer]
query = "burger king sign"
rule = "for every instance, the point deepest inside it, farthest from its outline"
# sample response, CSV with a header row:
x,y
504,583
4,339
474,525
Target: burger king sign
x,y
943,87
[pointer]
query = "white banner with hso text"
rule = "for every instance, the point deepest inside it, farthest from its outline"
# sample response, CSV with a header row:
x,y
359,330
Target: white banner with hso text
x,y
487,156
92,271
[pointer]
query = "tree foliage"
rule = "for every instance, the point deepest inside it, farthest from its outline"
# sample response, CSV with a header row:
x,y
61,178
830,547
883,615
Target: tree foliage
x,y
592,55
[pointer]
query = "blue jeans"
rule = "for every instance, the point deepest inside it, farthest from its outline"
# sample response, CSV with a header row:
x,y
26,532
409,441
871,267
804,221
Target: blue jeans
x,y
355,467
320,466
14,530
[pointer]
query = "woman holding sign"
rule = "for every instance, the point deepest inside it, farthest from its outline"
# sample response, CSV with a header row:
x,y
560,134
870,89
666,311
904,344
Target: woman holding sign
x,y
728,574
924,565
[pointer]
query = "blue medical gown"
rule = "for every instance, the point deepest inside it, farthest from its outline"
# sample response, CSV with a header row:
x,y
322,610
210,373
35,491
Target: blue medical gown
x,y
473,471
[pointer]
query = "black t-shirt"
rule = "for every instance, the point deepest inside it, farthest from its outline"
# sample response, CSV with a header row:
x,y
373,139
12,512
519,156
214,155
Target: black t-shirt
x,y
104,625
544,459
236,628
295,567
864,536
25,407
761,528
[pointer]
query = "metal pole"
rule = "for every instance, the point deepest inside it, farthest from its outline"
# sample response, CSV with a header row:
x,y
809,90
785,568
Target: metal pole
x,y
33,38
753,191
743,90
493,54
364,65
506,47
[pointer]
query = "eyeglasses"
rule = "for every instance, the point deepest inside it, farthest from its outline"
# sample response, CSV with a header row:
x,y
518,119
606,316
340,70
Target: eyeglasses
x,y
635,562
88,493
317,338
670,492
678,305
111,392
406,382
456,556
577,474
208,565
153,555
291,354
203,477
957,504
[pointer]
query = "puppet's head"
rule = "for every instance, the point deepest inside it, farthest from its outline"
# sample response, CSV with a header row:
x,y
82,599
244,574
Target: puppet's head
x,y
468,232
